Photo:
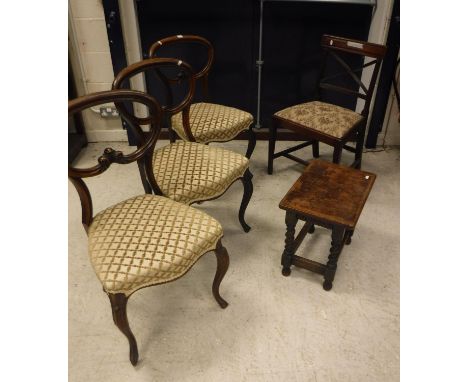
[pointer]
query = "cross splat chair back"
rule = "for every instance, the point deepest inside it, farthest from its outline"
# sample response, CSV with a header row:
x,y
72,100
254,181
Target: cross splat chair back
x,y
148,239
207,122
187,171
320,121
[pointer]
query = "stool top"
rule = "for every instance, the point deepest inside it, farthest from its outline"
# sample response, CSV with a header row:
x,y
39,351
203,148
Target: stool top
x,y
333,193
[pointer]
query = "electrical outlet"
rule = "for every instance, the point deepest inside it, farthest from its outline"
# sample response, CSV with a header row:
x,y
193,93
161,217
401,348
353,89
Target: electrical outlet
x,y
108,112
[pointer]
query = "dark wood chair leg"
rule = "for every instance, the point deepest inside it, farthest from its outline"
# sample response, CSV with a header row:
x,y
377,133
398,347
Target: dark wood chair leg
x,y
315,149
168,124
335,250
252,142
119,314
359,148
248,190
337,151
172,136
222,258
271,146
144,180
311,229
286,258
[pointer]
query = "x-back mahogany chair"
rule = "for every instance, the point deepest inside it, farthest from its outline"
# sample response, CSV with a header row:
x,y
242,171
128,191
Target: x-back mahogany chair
x,y
324,122
187,171
207,122
145,240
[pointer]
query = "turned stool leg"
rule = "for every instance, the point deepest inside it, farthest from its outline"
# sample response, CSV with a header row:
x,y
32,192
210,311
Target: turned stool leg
x,y
336,246
350,235
286,259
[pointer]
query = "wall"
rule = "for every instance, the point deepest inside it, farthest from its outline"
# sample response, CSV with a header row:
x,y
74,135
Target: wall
x,y
89,43
378,34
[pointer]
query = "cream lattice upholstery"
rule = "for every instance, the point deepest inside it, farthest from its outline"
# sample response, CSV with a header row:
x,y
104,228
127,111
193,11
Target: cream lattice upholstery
x,y
188,172
324,117
213,123
148,240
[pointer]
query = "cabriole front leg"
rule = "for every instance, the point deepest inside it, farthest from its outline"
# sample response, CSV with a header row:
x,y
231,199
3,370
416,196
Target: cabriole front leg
x,y
248,190
119,314
222,258
252,142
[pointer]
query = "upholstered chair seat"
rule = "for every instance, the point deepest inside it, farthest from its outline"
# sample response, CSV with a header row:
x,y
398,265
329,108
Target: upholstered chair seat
x,y
148,240
189,172
213,123
327,118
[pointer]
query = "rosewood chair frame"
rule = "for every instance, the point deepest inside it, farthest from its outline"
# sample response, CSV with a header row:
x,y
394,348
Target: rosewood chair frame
x,y
186,74
118,301
201,75
332,46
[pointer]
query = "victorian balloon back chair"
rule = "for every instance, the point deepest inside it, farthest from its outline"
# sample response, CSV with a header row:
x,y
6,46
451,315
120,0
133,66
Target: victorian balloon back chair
x,y
147,239
186,171
205,122
319,121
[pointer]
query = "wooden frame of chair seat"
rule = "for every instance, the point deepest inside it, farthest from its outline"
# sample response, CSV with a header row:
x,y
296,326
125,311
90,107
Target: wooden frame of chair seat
x,y
332,46
75,175
201,75
185,74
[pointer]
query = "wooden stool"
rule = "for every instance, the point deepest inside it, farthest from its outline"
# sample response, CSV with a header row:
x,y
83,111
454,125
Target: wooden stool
x,y
328,195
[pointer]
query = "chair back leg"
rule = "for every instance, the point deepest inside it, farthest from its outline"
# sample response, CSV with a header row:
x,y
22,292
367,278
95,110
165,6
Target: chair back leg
x,y
146,184
315,149
359,148
271,146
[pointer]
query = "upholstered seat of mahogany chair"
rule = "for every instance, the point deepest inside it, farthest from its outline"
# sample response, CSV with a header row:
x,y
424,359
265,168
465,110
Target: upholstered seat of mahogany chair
x,y
207,122
211,122
189,172
148,240
327,118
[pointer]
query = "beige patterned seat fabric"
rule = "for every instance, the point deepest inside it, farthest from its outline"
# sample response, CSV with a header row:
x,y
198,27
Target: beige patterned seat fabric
x,y
148,240
188,172
324,117
213,123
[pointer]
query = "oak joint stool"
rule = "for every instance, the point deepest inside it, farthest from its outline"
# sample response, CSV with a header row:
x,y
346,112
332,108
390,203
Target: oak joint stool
x,y
328,195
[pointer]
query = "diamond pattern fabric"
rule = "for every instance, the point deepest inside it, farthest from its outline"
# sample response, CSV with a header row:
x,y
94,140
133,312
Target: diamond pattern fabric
x,y
148,240
188,172
213,123
324,117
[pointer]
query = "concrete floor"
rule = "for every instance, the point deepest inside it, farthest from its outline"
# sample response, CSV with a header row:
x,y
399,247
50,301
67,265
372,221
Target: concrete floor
x,y
275,328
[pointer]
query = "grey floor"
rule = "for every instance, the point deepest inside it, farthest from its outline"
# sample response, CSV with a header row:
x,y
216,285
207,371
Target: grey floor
x,y
275,328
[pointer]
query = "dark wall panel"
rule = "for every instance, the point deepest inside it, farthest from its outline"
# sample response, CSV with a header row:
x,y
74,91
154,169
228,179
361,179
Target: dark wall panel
x,y
292,34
